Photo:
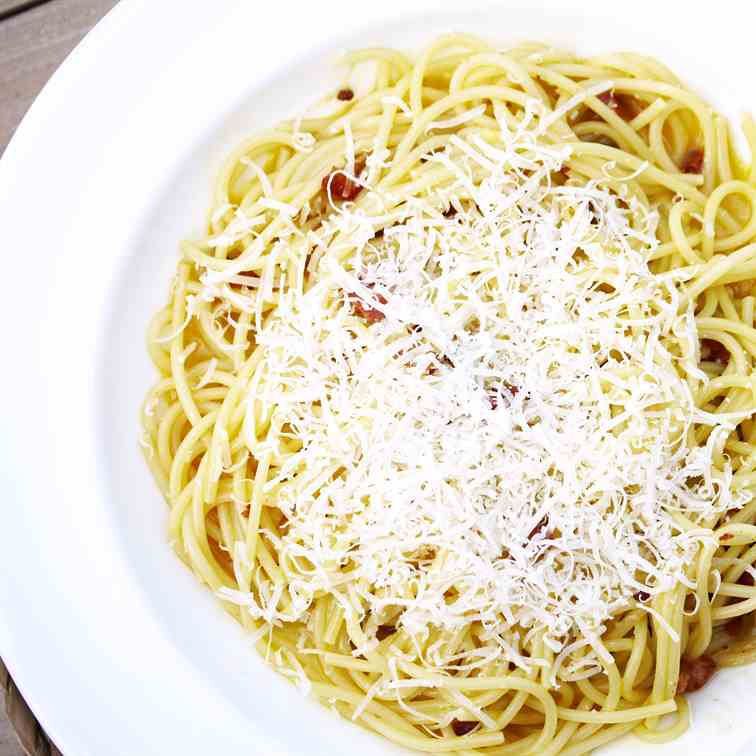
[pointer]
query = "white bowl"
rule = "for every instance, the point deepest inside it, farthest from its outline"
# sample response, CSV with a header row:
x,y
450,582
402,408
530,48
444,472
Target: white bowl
x,y
114,644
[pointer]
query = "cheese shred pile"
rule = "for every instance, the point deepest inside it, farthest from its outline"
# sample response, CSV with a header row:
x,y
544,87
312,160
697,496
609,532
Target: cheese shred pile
x,y
508,442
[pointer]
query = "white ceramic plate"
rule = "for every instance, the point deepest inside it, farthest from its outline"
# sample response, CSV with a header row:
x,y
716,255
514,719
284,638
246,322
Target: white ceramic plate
x,y
113,643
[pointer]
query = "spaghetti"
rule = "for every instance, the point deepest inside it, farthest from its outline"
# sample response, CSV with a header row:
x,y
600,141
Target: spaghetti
x,y
456,398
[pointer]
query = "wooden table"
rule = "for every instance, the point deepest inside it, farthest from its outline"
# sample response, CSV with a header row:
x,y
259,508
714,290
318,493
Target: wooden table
x,y
35,37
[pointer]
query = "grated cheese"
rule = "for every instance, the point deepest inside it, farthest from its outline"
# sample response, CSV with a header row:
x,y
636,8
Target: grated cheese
x,y
399,102
510,443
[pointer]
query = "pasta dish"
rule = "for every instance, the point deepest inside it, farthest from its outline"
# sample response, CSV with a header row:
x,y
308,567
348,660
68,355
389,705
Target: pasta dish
x,y
456,396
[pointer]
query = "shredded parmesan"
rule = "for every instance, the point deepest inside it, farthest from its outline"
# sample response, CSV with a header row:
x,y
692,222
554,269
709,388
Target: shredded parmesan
x,y
510,440
399,102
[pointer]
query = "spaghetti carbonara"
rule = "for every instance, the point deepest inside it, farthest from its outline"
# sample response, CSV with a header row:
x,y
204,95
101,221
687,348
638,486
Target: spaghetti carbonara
x,y
456,402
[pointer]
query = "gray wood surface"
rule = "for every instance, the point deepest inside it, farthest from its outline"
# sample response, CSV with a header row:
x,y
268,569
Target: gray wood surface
x,y
8,742
11,6
35,37
33,739
33,43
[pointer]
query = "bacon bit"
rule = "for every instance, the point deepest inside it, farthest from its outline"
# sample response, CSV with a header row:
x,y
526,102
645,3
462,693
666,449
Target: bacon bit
x,y
624,105
642,596
462,728
746,579
343,187
443,360
608,98
245,511
450,211
695,673
493,394
732,627
384,631
345,94
693,161
714,351
726,537
363,310
539,528
735,626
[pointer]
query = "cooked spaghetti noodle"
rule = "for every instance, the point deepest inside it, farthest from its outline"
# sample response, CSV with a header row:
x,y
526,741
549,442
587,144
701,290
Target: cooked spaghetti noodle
x,y
456,396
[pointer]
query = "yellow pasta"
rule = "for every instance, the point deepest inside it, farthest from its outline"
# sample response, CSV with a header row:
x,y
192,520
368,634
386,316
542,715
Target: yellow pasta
x,y
287,223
